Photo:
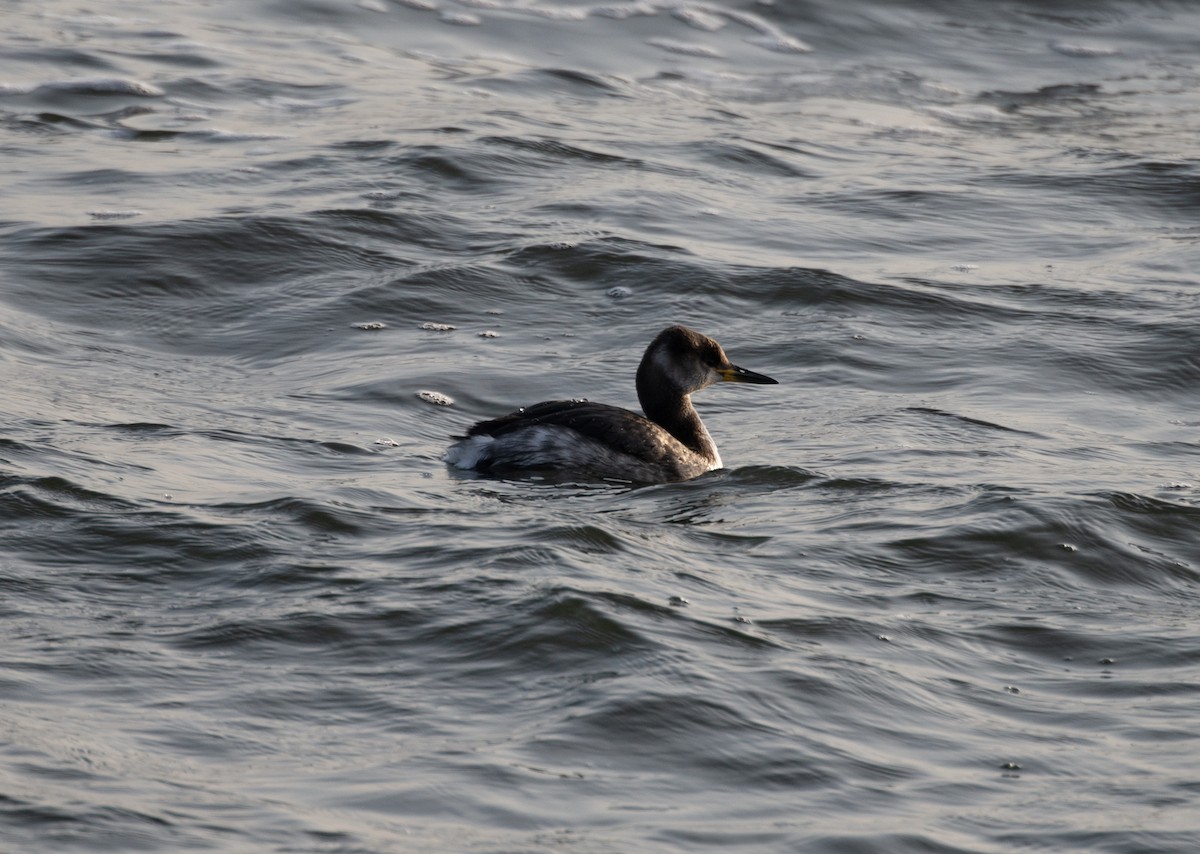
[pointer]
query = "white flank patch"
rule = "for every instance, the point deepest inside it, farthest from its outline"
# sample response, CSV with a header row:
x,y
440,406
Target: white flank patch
x,y
466,453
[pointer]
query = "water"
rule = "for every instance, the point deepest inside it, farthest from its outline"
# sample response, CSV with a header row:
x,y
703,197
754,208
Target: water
x,y
943,598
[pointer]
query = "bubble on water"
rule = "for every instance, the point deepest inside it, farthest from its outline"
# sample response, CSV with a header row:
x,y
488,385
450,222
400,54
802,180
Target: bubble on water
x,y
112,214
964,268
218,135
391,443
698,18
435,397
460,19
429,326
1083,50
624,10
489,333
780,43
685,48
618,292
370,325
557,13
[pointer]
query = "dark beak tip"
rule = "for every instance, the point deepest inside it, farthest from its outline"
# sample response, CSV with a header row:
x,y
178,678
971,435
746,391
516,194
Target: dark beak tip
x,y
746,376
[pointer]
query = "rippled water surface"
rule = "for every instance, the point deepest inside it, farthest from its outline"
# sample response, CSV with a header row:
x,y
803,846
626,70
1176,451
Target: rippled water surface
x,y
259,261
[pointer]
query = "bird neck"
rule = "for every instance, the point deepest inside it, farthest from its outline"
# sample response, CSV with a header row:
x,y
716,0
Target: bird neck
x,y
676,415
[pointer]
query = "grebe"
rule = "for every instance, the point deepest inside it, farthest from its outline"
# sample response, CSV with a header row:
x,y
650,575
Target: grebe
x,y
669,444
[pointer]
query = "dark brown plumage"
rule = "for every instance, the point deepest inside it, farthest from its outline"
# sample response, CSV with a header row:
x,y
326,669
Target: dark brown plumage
x,y
669,443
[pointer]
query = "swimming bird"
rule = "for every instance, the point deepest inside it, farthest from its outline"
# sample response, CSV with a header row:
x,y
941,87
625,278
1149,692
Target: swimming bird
x,y
668,443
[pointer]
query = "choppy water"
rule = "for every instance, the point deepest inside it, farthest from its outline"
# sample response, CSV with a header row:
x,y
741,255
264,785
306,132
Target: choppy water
x,y
943,599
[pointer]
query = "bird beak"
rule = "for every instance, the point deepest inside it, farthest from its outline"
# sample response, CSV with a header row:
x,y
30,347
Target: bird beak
x,y
734,374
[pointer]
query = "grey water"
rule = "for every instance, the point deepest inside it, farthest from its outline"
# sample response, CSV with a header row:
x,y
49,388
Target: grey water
x,y
261,261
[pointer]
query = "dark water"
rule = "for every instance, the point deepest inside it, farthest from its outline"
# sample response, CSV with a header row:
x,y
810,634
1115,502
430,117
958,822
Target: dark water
x,y
943,598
